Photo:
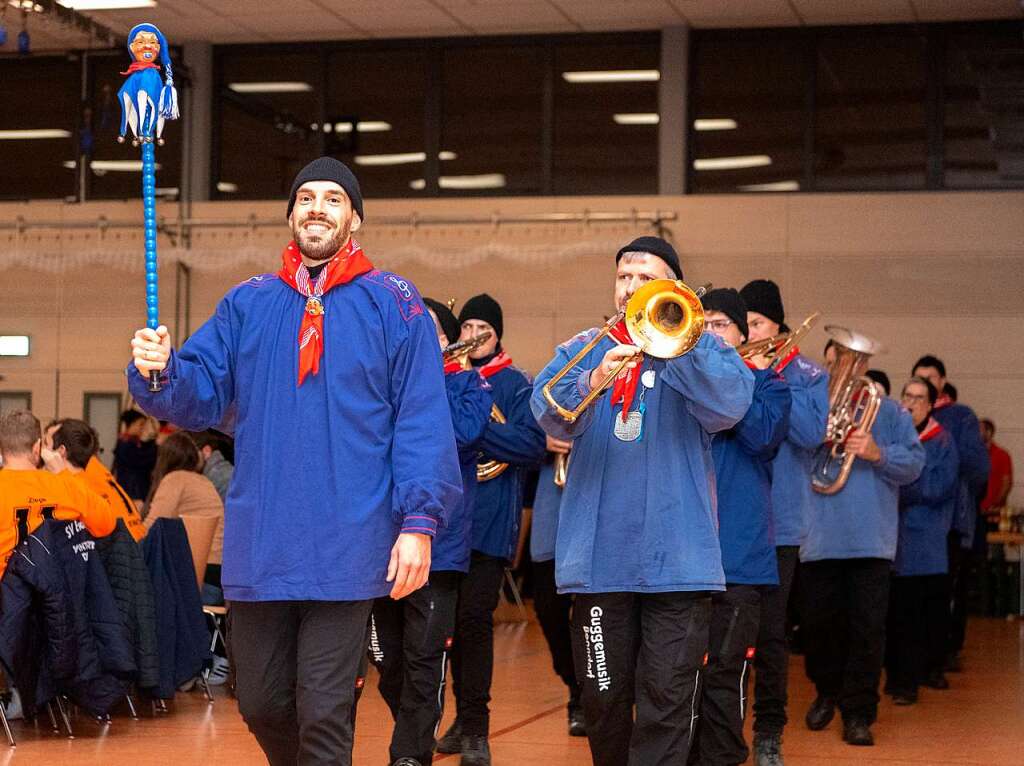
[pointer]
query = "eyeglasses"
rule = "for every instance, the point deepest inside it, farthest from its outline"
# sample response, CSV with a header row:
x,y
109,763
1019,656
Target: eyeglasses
x,y
913,398
719,325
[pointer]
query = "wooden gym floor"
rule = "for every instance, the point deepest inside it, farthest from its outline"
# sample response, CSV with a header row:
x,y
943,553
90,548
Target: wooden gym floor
x,y
979,721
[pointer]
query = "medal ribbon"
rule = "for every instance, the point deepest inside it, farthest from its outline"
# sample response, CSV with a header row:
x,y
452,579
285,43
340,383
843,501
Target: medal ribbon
x,y
624,387
347,264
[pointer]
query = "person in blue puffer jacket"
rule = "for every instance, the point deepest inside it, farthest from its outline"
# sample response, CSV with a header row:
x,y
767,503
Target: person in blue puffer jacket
x,y
846,557
915,650
743,464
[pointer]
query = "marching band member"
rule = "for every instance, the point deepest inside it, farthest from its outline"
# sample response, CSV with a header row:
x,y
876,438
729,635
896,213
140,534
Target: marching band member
x,y
743,465
790,503
919,603
496,516
637,536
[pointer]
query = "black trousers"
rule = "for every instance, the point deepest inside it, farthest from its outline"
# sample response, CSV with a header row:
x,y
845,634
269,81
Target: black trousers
x,y
554,612
771,660
643,649
473,652
917,630
295,666
409,645
959,583
718,740
843,615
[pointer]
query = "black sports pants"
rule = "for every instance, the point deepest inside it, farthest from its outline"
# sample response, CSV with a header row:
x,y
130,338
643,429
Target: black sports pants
x,y
917,630
554,612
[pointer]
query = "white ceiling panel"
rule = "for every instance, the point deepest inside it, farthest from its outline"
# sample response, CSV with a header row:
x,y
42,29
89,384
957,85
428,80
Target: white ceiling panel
x,y
953,10
820,12
517,17
738,13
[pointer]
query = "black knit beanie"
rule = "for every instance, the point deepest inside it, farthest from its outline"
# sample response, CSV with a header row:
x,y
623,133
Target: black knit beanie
x,y
449,324
484,308
762,296
655,246
730,303
329,169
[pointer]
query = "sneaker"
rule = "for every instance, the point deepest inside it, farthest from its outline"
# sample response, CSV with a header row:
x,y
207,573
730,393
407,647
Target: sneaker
x,y
475,751
857,732
219,672
768,750
451,740
821,713
577,724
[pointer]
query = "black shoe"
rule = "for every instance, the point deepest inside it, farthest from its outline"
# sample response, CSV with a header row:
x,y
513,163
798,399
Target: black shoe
x,y
904,698
577,724
821,713
768,750
406,762
858,733
936,680
475,751
451,740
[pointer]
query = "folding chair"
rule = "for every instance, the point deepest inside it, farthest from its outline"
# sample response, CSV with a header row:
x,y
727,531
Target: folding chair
x,y
501,614
200,531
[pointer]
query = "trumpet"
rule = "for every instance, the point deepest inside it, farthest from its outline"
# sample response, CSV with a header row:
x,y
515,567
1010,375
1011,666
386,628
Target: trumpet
x,y
463,348
778,346
664,318
491,469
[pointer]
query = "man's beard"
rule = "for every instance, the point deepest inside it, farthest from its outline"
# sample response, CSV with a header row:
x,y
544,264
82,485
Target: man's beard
x,y
320,247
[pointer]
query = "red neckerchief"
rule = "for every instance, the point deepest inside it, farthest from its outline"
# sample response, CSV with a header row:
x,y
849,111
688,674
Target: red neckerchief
x,y
944,400
498,363
931,430
624,387
347,264
138,66
787,359
453,367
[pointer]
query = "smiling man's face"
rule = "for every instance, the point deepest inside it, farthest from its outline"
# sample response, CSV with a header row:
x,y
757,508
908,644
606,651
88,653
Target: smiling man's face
x,y
322,220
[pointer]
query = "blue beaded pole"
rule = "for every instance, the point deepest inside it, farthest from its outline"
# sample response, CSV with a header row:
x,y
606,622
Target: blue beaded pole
x,y
149,219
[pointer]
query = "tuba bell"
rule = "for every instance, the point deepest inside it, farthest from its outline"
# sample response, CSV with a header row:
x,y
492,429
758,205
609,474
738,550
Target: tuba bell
x,y
853,406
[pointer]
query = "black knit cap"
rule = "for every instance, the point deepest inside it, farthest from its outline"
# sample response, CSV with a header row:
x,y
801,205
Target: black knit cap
x,y
655,246
484,308
730,303
449,324
762,296
329,169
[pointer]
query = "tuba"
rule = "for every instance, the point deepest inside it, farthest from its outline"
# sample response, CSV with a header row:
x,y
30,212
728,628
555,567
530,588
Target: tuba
x,y
664,318
853,406
491,469
776,347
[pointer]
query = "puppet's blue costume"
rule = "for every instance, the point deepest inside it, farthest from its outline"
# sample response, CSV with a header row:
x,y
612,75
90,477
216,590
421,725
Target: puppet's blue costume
x,y
146,99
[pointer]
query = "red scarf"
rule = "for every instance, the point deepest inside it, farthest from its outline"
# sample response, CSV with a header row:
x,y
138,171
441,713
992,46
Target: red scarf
x,y
787,359
452,367
498,363
944,400
347,264
931,430
138,66
624,387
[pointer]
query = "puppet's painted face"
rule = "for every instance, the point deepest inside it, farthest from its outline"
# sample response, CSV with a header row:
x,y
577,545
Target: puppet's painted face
x,y
145,47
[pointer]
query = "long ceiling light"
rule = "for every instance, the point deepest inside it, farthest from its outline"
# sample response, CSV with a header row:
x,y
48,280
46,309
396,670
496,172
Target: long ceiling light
x,y
14,345
117,166
636,118
20,135
106,5
226,187
404,158
774,186
613,75
733,163
714,123
463,183
283,86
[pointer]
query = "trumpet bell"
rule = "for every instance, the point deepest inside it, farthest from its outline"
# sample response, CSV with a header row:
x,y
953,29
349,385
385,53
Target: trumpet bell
x,y
665,318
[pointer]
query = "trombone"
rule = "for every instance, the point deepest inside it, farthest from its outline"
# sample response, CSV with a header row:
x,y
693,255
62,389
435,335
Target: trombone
x,y
778,346
664,318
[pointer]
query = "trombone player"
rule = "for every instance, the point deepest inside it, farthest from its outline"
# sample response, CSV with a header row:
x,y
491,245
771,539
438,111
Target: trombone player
x,y
637,538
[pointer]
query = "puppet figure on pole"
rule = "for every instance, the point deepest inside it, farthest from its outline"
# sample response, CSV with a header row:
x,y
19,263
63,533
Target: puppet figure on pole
x,y
147,101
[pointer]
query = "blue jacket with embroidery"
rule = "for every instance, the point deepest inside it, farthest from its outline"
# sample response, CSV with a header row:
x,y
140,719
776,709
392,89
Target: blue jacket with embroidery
x,y
962,424
791,469
743,476
326,474
860,520
545,513
926,510
469,399
518,442
639,515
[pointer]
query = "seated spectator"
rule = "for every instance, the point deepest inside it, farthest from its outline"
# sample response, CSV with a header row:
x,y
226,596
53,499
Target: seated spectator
x,y
78,445
216,467
40,493
135,454
1000,477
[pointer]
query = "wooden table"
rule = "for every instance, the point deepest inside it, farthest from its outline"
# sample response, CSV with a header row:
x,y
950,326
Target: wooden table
x,y
1012,538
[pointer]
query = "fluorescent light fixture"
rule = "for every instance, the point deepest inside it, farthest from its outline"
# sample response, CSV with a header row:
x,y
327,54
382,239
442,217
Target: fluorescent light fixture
x,y
227,187
21,135
638,118
613,75
775,186
363,126
166,191
118,166
714,123
106,5
733,163
14,345
283,86
404,158
480,181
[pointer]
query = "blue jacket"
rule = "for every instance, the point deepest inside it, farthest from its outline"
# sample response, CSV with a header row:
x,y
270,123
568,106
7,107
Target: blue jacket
x,y
518,442
926,510
791,490
962,424
469,399
639,516
743,477
860,520
545,513
326,474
